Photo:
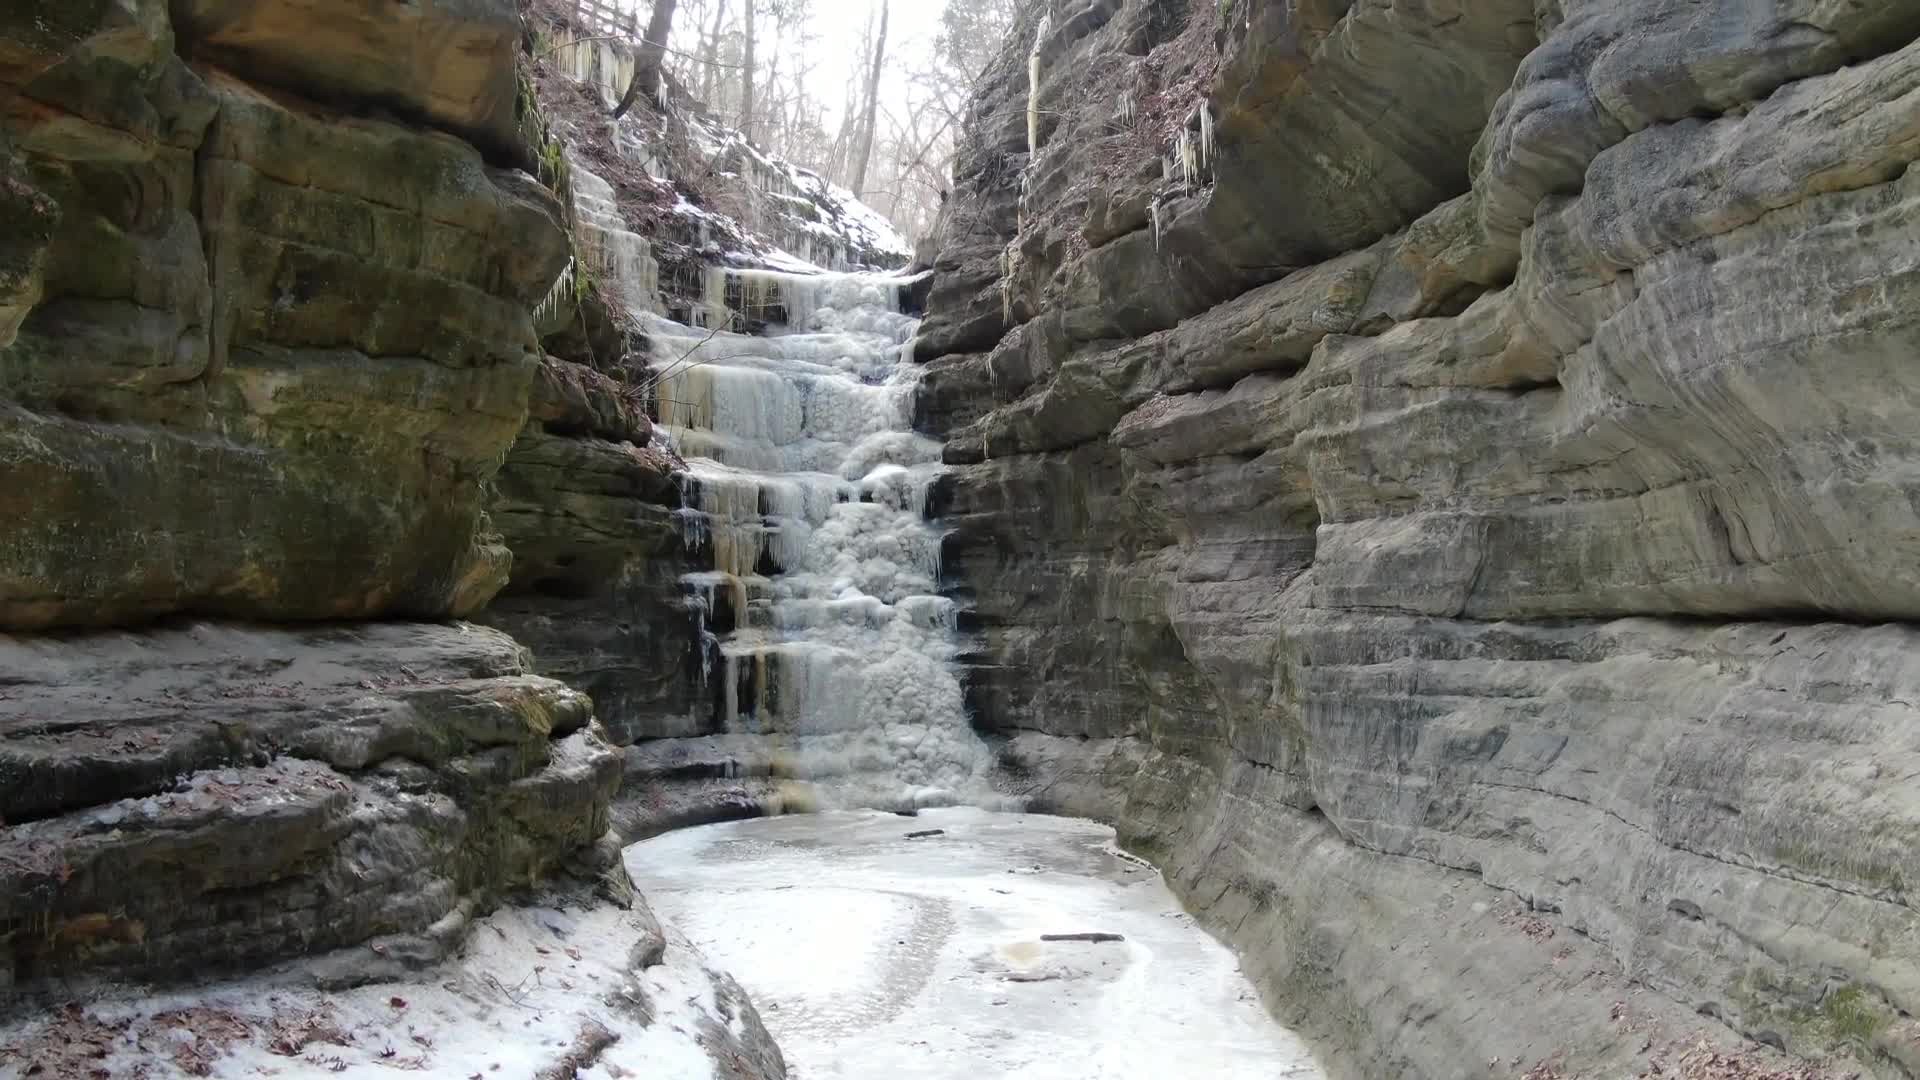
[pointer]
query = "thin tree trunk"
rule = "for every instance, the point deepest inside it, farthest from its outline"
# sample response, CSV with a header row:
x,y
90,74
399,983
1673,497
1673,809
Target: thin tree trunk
x,y
746,79
846,139
712,55
653,50
776,102
865,151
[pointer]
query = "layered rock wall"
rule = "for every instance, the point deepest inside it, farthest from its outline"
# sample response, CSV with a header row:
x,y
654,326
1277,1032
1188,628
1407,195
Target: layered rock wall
x,y
1457,515
266,335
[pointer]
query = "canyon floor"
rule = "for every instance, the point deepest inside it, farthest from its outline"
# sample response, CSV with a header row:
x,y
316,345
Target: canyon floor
x,y
871,954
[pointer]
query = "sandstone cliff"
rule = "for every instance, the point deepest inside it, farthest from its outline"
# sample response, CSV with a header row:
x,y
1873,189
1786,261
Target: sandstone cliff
x,y
281,292
271,277
1439,476
271,333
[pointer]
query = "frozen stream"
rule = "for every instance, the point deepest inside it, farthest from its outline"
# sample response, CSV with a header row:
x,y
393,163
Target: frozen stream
x,y
875,956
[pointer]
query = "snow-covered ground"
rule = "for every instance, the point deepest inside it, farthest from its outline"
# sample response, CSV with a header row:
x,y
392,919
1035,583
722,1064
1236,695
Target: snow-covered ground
x,y
875,956
529,984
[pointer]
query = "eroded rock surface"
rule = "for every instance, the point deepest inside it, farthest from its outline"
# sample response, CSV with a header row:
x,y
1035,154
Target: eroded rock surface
x,y
586,501
276,352
1459,522
268,279
213,797
540,992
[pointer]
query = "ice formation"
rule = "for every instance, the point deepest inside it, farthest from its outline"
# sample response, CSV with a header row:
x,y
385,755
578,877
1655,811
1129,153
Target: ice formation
x,y
808,488
819,222
1033,83
549,304
619,257
791,396
1193,155
875,957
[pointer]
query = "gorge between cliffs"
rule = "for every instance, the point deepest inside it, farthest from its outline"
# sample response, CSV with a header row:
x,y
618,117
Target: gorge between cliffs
x,y
1366,539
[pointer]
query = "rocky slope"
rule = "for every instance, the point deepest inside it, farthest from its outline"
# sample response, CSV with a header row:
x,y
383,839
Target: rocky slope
x,y
1439,478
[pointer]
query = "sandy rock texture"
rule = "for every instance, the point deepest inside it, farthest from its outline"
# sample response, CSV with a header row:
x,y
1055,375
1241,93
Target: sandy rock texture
x,y
275,349
1460,520
268,275
213,797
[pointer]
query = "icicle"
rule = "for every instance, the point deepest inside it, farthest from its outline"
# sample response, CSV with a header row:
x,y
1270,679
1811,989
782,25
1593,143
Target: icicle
x,y
1033,84
1126,112
1154,210
549,305
1006,282
1206,135
714,298
1189,161
622,260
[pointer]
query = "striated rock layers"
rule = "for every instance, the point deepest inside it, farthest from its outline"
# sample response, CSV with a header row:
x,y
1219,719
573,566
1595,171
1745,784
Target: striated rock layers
x,y
267,285
273,350
1441,478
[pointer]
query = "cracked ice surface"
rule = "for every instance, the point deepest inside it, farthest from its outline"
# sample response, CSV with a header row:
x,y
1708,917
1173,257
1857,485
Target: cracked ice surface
x,y
875,957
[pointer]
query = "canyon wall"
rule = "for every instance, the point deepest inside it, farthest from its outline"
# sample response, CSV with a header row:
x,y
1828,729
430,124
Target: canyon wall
x,y
340,563
1440,477
270,282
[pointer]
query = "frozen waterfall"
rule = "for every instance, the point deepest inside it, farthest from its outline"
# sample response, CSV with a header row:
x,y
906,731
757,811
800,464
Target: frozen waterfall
x,y
806,492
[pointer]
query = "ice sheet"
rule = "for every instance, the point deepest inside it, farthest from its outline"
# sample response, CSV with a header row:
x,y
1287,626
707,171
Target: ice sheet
x,y
873,956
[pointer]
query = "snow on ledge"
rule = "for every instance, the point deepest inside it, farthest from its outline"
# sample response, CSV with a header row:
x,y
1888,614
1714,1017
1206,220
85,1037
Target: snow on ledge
x,y
528,985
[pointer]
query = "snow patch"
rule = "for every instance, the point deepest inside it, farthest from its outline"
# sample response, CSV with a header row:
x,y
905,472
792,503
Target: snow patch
x,y
511,1005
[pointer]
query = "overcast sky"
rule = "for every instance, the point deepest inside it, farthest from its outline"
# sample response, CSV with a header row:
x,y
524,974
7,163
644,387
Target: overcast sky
x,y
841,26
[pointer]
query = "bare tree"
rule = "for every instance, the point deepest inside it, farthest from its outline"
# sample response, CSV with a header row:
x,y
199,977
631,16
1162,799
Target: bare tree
x,y
906,93
746,78
646,64
864,154
710,52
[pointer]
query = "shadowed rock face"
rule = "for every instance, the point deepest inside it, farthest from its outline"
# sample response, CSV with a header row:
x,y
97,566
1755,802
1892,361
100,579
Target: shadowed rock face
x,y
1502,611
210,798
587,503
266,335
445,63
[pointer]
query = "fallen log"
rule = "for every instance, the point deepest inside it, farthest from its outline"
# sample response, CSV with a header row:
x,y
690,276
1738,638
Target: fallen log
x,y
588,1044
1094,936
926,832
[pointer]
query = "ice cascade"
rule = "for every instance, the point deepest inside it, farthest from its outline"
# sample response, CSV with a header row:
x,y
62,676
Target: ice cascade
x,y
807,489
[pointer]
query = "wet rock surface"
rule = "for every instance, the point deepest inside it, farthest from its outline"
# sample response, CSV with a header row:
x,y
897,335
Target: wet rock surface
x,y
275,349
1534,540
586,501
